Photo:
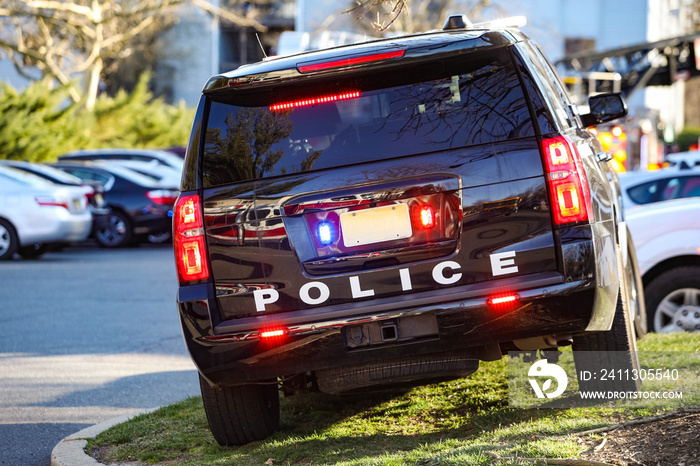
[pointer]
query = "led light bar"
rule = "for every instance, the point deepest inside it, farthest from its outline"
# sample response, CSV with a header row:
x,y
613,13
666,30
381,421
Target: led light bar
x,y
314,101
273,333
503,300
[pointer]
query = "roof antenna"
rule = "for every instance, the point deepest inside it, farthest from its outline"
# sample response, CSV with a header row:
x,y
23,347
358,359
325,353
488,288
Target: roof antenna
x,y
257,36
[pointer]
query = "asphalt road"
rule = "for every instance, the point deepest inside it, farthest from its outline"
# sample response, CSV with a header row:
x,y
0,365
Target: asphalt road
x,y
86,334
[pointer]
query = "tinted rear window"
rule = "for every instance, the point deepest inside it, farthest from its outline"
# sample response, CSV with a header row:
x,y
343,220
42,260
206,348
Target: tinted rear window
x,y
441,106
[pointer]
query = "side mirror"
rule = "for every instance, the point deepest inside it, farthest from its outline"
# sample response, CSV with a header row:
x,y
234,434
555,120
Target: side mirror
x,y
604,107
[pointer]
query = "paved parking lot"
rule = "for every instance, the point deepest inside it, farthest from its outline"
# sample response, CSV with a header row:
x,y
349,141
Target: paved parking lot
x,y
86,334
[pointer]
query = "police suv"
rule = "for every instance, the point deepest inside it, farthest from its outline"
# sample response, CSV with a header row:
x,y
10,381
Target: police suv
x,y
391,213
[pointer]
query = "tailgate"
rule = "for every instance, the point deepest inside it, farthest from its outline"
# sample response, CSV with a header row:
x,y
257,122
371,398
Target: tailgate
x,y
374,231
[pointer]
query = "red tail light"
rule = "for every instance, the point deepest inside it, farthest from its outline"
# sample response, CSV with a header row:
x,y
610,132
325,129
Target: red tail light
x,y
162,196
89,191
568,187
50,201
188,240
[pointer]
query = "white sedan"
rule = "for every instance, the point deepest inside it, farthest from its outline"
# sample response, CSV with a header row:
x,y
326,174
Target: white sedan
x,y
641,188
35,213
667,239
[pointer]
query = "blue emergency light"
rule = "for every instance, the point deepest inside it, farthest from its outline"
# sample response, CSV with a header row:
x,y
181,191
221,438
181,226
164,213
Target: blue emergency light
x,y
324,232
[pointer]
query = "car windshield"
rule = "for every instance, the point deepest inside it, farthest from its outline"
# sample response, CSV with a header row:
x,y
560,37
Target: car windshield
x,y
432,107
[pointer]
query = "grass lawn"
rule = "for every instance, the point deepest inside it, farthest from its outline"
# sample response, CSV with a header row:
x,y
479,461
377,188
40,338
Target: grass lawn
x,y
466,421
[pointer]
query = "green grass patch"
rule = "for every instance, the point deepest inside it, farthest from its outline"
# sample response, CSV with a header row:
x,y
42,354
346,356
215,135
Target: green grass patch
x,y
465,421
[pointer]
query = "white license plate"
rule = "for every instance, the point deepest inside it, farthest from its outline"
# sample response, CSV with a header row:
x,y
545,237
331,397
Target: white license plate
x,y
375,225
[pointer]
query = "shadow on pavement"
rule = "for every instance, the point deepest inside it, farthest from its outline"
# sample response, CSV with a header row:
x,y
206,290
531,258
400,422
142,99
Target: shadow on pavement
x,y
38,453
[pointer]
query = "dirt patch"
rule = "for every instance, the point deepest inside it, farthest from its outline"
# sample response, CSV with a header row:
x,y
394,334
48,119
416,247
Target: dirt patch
x,y
673,441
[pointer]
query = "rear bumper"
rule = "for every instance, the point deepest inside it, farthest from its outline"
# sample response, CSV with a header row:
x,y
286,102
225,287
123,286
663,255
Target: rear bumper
x,y
156,220
233,352
100,217
61,226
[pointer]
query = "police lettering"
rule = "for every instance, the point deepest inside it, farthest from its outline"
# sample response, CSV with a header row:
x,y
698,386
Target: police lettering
x,y
444,273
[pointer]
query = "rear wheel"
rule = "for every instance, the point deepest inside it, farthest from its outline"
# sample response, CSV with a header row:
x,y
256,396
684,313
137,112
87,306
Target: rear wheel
x,y
241,414
117,232
33,251
673,300
8,240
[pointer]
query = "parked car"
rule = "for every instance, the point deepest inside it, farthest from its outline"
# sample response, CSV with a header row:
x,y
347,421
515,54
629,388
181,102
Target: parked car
x,y
139,206
667,236
394,212
93,189
163,174
35,213
639,188
161,157
690,159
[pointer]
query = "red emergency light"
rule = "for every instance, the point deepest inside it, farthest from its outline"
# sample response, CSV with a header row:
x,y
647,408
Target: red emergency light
x,y
314,101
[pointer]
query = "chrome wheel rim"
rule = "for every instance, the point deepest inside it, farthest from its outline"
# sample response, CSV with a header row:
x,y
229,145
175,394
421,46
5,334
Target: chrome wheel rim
x,y
634,294
5,240
114,232
679,311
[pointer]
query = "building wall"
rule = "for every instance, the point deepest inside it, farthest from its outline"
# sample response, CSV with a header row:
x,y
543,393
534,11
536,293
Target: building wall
x,y
190,56
667,18
611,24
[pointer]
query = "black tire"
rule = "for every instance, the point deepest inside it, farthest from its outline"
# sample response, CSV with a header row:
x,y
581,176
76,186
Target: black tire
x,y
395,373
33,251
8,240
118,231
615,350
673,298
241,414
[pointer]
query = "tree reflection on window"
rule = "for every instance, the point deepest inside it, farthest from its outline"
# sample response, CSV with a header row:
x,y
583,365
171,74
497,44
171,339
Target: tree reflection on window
x,y
465,104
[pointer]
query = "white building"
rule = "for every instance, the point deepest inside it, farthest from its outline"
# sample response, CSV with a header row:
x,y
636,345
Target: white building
x,y
605,25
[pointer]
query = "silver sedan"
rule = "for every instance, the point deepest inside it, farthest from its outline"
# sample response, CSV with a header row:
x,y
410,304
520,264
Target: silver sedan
x,y
35,213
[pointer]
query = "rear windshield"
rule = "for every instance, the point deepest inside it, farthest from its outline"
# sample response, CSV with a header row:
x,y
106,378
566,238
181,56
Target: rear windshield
x,y
464,101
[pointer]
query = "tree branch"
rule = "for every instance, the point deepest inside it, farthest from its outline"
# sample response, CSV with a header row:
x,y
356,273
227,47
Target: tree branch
x,y
61,6
235,19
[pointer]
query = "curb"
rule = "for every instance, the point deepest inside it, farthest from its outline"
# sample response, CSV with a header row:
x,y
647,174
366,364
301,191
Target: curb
x,y
71,450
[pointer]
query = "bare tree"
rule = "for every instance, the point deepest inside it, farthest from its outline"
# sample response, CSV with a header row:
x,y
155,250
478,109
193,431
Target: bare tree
x,y
410,16
65,39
